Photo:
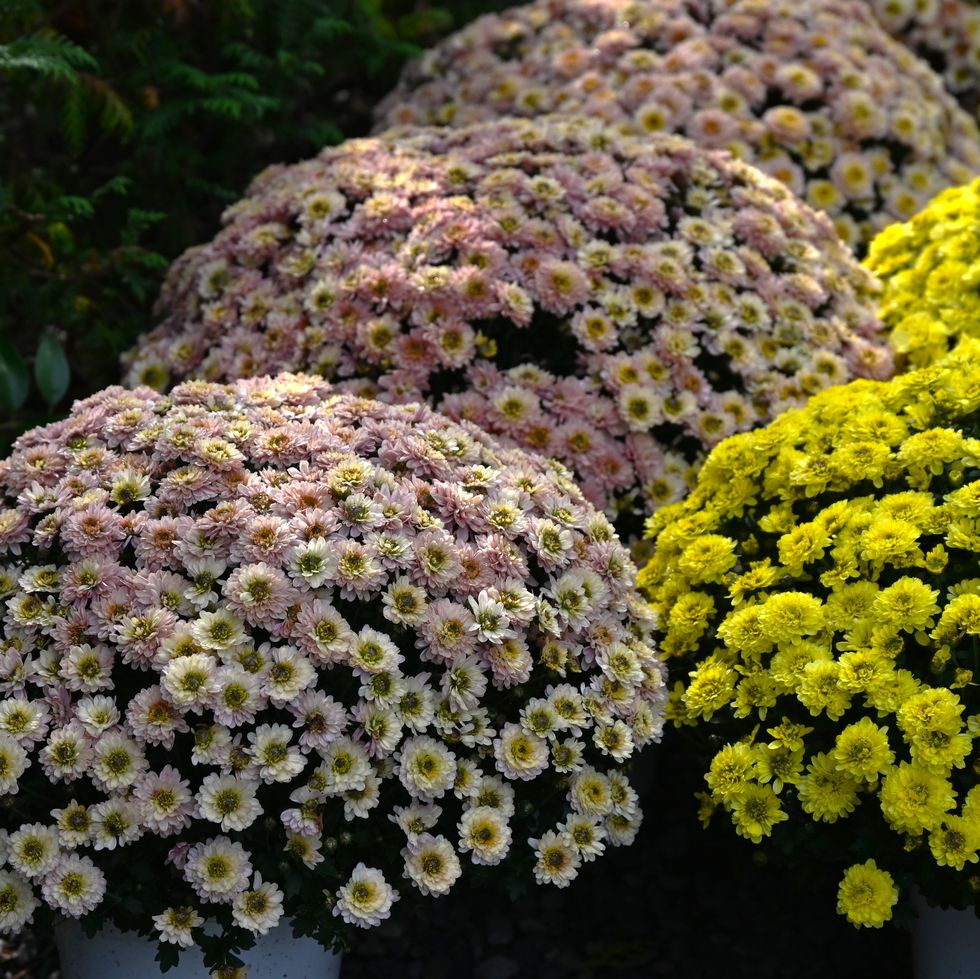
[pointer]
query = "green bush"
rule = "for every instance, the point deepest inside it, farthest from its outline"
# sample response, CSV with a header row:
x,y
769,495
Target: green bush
x,y
130,124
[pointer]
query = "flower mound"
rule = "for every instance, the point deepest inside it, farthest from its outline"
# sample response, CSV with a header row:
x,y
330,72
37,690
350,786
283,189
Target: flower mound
x,y
814,93
587,295
256,635
946,34
930,268
819,593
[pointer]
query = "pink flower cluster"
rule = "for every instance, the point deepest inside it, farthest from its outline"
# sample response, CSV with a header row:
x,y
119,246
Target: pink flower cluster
x,y
260,605
946,33
814,92
617,303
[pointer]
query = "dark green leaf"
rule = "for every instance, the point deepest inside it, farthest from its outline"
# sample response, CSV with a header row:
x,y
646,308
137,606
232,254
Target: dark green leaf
x,y
14,380
51,370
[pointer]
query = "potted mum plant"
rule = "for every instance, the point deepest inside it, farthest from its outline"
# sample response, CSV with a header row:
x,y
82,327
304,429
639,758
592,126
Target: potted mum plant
x,y
815,94
617,303
271,653
819,603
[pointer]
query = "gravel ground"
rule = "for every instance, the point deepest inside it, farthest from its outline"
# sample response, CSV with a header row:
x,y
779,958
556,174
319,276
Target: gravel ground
x,y
681,903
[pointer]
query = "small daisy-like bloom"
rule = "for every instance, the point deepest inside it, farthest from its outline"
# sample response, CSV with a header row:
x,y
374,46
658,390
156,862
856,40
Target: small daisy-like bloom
x,y
585,834
373,652
87,668
67,753
17,902
366,899
273,757
431,864
118,761
97,714
867,895
13,763
175,925
305,849
217,869
404,602
426,768
312,563
218,630
345,766
33,850
485,834
165,801
464,683
74,824
557,859
259,909
415,819
229,801
520,755
237,698
491,622
359,802
319,717
74,886
115,822
289,673
190,681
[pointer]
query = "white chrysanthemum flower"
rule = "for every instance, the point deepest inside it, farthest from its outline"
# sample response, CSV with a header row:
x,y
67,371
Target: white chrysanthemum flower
x,y
380,725
464,683
493,791
175,925
491,621
237,699
619,662
229,801
260,908
97,714
586,835
431,864
203,572
74,824
115,822
373,652
191,680
118,762
621,828
217,868
383,689
426,767
304,848
17,902
74,886
416,706
273,757
539,717
557,860
485,834
212,746
87,668
289,674
24,720
615,740
624,796
359,802
403,602
13,763
366,898
569,705
345,766
519,754
568,756
415,819
34,850
591,793
219,630
311,563
67,753
468,775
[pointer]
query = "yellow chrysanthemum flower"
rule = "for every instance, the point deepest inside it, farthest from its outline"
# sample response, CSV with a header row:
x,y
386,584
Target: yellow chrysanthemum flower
x,y
755,811
826,792
862,750
867,895
914,799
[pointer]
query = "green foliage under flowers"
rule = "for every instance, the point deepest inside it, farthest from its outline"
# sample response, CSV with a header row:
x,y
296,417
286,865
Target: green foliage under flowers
x,y
130,124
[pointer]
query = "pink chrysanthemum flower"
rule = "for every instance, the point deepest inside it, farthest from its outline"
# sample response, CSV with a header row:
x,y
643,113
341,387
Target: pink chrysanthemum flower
x,y
638,300
791,87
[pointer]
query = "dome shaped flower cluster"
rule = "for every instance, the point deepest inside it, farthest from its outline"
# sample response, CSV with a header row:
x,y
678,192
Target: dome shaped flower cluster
x,y
614,302
930,268
946,33
264,641
818,595
816,94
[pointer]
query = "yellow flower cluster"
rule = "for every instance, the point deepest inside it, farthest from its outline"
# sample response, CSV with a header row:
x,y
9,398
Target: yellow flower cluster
x,y
819,595
930,267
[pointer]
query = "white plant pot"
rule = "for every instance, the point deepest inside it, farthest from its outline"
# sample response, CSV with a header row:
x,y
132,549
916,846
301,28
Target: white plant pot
x,y
945,943
113,954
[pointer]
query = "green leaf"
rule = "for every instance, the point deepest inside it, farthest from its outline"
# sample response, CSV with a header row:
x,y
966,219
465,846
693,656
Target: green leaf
x,y
15,382
51,370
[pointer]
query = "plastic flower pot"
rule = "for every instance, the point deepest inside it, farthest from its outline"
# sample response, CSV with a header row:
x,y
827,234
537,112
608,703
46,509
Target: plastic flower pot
x,y
945,942
113,954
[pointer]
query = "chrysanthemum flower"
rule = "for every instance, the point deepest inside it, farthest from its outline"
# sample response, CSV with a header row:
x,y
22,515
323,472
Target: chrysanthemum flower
x,y
366,898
